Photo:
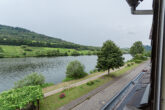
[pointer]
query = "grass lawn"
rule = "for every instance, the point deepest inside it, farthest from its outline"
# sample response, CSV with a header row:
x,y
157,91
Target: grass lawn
x,y
64,84
54,102
16,51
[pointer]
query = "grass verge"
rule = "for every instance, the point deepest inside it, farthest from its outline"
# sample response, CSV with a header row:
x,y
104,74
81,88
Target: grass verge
x,y
54,102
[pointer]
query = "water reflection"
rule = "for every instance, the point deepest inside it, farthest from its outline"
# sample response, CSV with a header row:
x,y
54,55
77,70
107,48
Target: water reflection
x,y
53,68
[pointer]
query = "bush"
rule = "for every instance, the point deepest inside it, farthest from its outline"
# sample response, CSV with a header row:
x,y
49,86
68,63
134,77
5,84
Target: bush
x,y
140,57
62,95
128,65
132,63
31,80
65,54
20,98
138,61
40,54
1,50
94,71
75,53
27,49
75,70
90,83
24,53
95,52
24,46
89,53
53,53
1,55
132,60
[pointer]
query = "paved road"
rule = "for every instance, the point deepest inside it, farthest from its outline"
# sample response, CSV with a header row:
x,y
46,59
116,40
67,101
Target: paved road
x,y
100,99
77,84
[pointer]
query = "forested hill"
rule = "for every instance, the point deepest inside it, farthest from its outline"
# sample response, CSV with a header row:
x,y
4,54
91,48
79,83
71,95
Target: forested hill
x,y
147,47
19,36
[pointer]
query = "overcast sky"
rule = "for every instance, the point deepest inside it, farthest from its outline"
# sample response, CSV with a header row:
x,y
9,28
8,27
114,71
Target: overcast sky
x,y
87,22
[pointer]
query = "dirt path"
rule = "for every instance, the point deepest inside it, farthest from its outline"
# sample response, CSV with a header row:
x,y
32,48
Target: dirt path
x,y
77,84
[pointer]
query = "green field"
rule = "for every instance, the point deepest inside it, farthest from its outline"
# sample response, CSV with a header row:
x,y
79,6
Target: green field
x,y
27,51
54,102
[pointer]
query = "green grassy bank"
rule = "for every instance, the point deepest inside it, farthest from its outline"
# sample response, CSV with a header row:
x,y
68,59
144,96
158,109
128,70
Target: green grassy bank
x,y
54,102
7,51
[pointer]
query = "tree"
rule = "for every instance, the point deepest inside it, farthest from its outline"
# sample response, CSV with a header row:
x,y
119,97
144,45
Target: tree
x,y
75,70
31,80
137,48
109,57
21,98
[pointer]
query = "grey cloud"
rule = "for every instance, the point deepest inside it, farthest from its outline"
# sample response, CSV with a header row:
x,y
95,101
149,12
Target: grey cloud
x,y
88,22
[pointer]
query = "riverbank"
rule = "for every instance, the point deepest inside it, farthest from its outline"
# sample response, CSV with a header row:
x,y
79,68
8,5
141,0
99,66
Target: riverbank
x,y
53,102
8,51
53,68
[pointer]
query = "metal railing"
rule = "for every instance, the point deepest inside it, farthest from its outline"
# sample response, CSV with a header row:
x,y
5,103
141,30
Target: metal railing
x,y
117,98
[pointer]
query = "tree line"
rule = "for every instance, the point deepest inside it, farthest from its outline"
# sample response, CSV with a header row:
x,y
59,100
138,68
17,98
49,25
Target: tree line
x,y
19,36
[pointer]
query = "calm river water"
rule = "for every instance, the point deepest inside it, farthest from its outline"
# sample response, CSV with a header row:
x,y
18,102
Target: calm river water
x,y
53,68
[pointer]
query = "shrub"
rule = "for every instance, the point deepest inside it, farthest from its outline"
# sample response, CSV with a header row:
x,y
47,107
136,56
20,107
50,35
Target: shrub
x,y
39,54
24,46
65,54
138,61
94,71
1,50
75,70
62,95
97,80
1,55
18,99
27,49
128,65
90,83
89,53
132,60
24,53
140,57
75,53
94,52
53,53
30,80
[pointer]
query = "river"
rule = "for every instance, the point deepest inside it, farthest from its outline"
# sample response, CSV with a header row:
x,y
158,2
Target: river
x,y
53,68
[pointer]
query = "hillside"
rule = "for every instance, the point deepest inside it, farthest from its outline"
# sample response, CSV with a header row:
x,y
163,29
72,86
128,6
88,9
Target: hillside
x,y
147,47
19,36
125,50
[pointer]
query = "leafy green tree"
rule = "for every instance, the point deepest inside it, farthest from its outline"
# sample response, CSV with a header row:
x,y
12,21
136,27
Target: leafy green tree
x,y
137,48
109,57
75,70
20,98
31,80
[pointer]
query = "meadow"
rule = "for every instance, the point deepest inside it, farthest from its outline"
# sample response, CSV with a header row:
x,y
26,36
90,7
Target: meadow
x,y
8,51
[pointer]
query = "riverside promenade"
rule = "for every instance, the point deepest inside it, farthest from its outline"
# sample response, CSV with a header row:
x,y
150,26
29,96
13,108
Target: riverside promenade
x,y
77,84
97,98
